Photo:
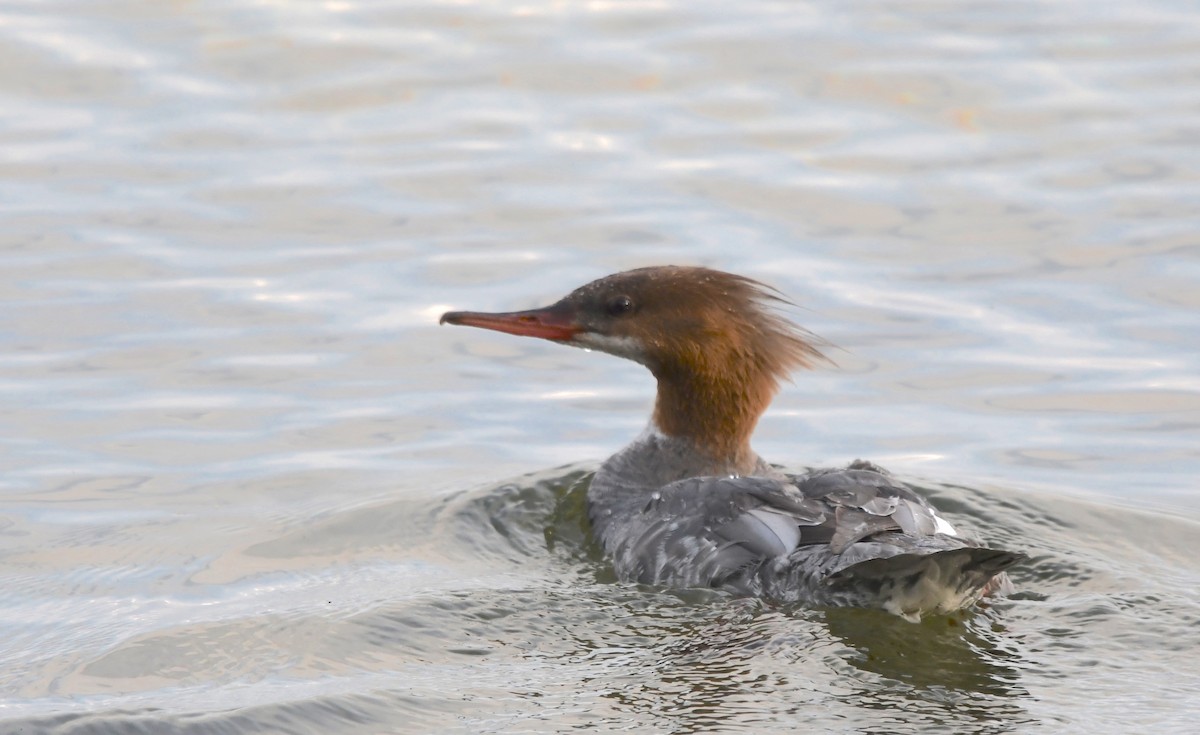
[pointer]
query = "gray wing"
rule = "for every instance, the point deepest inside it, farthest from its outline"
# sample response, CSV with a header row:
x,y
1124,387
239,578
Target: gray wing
x,y
867,501
701,531
708,531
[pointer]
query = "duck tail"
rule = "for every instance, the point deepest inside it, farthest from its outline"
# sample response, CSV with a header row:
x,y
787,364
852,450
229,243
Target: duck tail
x,y
911,584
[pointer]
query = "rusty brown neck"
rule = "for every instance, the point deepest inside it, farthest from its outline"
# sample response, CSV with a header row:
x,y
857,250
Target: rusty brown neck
x,y
715,410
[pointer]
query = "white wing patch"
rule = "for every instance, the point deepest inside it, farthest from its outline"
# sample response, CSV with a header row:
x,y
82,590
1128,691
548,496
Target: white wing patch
x,y
941,525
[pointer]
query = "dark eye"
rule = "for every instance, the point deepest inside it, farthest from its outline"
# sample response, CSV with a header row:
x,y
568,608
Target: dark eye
x,y
619,305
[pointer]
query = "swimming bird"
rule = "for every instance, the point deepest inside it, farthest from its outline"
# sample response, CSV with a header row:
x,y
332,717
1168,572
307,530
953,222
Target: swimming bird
x,y
689,504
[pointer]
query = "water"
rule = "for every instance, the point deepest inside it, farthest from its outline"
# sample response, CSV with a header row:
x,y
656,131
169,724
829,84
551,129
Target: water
x,y
249,486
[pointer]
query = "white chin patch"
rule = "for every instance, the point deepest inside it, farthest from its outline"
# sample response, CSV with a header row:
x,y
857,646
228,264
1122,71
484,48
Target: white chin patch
x,y
626,347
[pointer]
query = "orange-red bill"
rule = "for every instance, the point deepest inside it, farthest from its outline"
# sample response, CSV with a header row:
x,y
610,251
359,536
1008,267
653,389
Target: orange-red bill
x,y
544,323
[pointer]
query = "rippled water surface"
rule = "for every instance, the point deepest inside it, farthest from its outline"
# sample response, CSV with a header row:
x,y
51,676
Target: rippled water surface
x,y
249,486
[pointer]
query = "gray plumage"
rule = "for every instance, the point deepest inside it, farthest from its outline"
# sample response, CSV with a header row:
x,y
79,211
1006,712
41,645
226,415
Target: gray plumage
x,y
845,537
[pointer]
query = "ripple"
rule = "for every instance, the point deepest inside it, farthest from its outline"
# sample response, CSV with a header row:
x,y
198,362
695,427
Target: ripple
x,y
249,486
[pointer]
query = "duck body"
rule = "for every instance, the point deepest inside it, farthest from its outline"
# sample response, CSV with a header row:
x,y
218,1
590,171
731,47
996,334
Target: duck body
x,y
690,504
852,537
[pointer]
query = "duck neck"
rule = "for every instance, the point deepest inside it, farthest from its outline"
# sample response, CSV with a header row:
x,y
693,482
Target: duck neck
x,y
714,411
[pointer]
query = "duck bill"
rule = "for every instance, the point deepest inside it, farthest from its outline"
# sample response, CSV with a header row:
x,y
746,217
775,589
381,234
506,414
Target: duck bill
x,y
553,322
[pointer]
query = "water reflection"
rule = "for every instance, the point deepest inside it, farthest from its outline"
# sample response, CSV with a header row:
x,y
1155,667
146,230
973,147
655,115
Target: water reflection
x,y
958,671
699,669
694,660
960,652
704,663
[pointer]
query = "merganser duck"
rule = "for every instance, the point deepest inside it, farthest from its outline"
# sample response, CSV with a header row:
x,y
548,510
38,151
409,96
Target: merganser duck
x,y
689,503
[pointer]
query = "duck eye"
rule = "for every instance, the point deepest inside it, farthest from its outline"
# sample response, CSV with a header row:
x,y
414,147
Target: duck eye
x,y
619,305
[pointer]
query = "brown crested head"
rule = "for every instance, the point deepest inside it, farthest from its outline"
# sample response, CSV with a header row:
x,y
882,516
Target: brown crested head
x,y
714,340
677,318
